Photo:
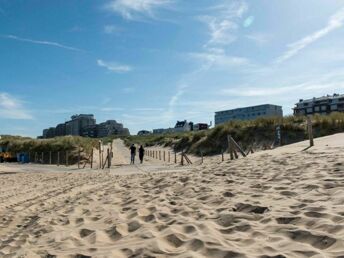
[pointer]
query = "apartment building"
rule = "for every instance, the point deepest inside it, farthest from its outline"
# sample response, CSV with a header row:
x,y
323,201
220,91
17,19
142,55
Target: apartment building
x,y
248,113
322,105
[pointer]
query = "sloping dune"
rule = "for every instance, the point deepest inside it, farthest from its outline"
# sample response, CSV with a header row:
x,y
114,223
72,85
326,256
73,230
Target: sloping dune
x,y
280,203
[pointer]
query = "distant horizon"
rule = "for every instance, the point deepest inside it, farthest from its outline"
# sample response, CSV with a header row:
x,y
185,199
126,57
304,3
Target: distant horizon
x,y
148,63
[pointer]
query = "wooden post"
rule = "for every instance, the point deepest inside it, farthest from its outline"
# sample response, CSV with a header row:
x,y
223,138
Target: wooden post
x,y
310,131
79,158
164,156
29,157
66,158
175,157
100,154
234,143
42,158
58,158
235,154
159,155
50,157
92,158
182,159
109,158
169,157
230,147
222,155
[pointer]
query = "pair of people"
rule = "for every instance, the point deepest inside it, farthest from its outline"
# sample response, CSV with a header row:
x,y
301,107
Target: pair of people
x,y
133,153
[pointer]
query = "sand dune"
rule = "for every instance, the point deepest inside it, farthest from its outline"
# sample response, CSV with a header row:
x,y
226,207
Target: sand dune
x,y
280,203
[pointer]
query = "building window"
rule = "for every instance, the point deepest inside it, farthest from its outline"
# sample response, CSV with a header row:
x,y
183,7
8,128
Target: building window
x,y
309,110
323,108
334,107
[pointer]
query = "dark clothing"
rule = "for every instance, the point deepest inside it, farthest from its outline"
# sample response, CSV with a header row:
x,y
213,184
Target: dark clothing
x,y
132,150
141,153
132,154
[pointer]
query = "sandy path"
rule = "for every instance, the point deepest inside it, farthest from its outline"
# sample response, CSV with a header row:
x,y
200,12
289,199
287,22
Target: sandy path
x,y
281,203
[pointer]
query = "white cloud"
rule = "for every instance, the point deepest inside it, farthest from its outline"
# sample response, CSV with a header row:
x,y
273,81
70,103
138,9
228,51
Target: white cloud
x,y
133,9
216,57
41,42
111,109
259,38
224,23
313,87
114,67
110,29
12,108
335,22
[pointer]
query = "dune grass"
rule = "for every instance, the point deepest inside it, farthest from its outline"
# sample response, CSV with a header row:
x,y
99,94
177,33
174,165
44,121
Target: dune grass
x,y
66,143
258,134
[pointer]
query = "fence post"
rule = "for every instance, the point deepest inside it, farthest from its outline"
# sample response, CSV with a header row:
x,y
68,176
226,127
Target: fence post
x,y
79,158
175,157
100,153
58,158
92,158
42,158
66,158
164,156
169,157
223,158
310,131
182,159
230,146
159,154
50,157
109,158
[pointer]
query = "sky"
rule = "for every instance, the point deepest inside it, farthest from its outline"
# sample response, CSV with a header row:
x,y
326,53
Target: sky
x,y
149,63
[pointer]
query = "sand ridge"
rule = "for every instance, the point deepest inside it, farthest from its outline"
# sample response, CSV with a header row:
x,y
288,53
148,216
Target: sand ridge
x,y
282,203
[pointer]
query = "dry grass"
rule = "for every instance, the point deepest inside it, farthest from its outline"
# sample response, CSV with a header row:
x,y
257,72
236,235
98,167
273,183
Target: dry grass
x,y
257,133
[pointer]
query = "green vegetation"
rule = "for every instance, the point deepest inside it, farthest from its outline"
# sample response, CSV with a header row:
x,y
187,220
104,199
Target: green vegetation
x,y
66,143
257,134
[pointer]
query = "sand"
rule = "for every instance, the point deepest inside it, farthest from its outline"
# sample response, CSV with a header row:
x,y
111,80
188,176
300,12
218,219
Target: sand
x,y
280,203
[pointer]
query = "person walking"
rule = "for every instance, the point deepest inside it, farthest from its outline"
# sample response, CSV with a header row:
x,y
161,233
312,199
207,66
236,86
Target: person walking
x,y
141,153
132,154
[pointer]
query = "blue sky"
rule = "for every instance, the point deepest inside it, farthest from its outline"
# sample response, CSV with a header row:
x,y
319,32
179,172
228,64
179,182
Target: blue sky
x,y
148,63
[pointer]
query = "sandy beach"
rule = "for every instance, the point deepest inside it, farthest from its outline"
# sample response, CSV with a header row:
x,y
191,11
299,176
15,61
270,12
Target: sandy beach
x,y
278,203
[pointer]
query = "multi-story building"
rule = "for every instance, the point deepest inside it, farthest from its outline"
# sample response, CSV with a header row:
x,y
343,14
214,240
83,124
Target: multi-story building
x,y
90,131
60,130
183,126
85,125
144,132
248,113
323,105
51,132
78,122
111,127
200,126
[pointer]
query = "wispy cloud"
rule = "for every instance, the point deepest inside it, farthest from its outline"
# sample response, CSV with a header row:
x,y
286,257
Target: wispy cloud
x,y
111,29
12,108
218,58
114,67
259,38
274,91
42,42
111,109
223,24
335,22
135,9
